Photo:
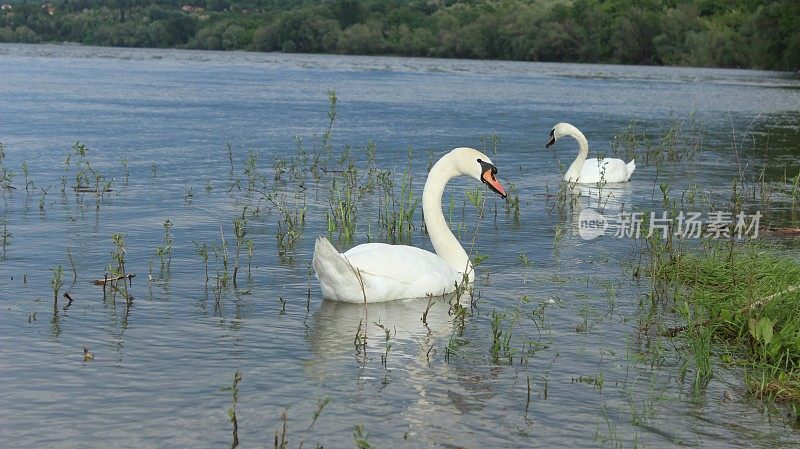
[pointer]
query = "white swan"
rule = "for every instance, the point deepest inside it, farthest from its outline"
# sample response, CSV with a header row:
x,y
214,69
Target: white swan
x,y
590,171
376,272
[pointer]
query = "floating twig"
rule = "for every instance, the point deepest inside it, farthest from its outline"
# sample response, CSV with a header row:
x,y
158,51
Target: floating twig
x,y
107,279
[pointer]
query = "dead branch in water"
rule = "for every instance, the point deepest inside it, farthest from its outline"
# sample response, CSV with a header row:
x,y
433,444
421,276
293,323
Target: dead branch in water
x,y
107,279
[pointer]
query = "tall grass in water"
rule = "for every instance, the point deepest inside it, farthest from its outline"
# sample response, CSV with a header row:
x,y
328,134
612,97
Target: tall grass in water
x,y
164,252
234,389
396,214
750,296
6,175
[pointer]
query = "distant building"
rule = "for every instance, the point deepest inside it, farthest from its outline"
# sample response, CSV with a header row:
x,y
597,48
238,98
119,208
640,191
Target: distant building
x,y
5,7
187,8
50,8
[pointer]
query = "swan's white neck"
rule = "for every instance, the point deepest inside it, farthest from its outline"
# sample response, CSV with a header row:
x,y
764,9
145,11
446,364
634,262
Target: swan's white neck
x,y
574,170
444,242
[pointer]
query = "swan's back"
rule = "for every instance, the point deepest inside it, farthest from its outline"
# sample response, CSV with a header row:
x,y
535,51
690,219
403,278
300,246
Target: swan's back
x,y
608,170
381,272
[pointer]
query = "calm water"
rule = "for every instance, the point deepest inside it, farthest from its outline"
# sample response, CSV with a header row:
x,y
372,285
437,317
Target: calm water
x,y
160,363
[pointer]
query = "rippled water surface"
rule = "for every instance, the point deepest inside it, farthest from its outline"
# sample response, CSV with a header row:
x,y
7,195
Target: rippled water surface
x,y
173,130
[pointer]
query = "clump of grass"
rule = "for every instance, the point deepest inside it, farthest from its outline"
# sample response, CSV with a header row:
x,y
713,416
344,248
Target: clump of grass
x,y
6,237
6,175
239,232
25,172
87,179
117,266
387,333
360,435
57,281
501,336
341,215
202,251
512,203
492,140
234,389
745,297
397,212
164,252
290,227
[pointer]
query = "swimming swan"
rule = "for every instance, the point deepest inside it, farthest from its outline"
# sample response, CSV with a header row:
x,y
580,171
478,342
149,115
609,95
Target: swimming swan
x,y
376,272
590,171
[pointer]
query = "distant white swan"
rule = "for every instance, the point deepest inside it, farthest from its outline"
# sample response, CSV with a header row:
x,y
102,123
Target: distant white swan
x,y
376,272
590,171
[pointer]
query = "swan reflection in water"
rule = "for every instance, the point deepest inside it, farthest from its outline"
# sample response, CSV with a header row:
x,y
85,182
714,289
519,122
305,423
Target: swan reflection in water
x,y
436,396
420,321
608,200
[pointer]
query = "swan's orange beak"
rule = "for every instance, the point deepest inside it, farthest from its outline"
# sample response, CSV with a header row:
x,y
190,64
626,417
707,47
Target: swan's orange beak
x,y
489,178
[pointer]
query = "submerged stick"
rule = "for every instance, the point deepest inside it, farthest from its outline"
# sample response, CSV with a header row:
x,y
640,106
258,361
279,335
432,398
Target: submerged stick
x,y
107,279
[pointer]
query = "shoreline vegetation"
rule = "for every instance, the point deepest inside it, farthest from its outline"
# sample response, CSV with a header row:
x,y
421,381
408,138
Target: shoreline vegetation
x,y
749,34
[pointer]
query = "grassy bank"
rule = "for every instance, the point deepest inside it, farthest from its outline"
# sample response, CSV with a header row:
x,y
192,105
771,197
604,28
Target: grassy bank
x,y
740,303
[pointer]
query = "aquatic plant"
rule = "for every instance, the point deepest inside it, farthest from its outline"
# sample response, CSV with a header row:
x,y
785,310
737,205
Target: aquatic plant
x,y
387,333
743,296
396,214
6,175
341,215
327,136
25,172
164,251
234,389
512,203
239,232
41,199
57,280
117,266
202,251
360,436
125,172
492,140
6,238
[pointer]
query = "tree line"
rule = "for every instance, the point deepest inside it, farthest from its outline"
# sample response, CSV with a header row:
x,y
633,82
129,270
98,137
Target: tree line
x,y
708,33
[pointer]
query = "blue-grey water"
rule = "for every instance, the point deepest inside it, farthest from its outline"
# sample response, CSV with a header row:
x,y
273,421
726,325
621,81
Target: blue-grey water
x,y
172,131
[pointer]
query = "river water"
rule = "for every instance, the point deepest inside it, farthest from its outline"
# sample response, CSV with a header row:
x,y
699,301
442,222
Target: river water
x,y
173,130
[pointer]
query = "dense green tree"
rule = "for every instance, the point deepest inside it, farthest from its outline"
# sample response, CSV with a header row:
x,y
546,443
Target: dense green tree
x,y
728,33
362,39
676,25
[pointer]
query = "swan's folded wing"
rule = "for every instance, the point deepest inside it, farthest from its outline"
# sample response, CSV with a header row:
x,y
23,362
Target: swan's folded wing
x,y
406,264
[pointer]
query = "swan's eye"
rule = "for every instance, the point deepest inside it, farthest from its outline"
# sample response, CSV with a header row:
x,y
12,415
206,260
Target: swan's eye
x,y
480,161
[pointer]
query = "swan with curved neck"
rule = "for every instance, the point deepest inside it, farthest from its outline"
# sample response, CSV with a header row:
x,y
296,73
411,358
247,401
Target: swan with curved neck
x,y
590,171
376,272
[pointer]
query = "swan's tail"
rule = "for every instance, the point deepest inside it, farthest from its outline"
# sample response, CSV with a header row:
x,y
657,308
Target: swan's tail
x,y
334,272
631,168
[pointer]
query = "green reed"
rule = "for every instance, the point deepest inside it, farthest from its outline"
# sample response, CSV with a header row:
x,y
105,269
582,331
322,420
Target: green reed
x,y
57,280
6,175
164,251
360,435
202,251
6,238
234,389
25,173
